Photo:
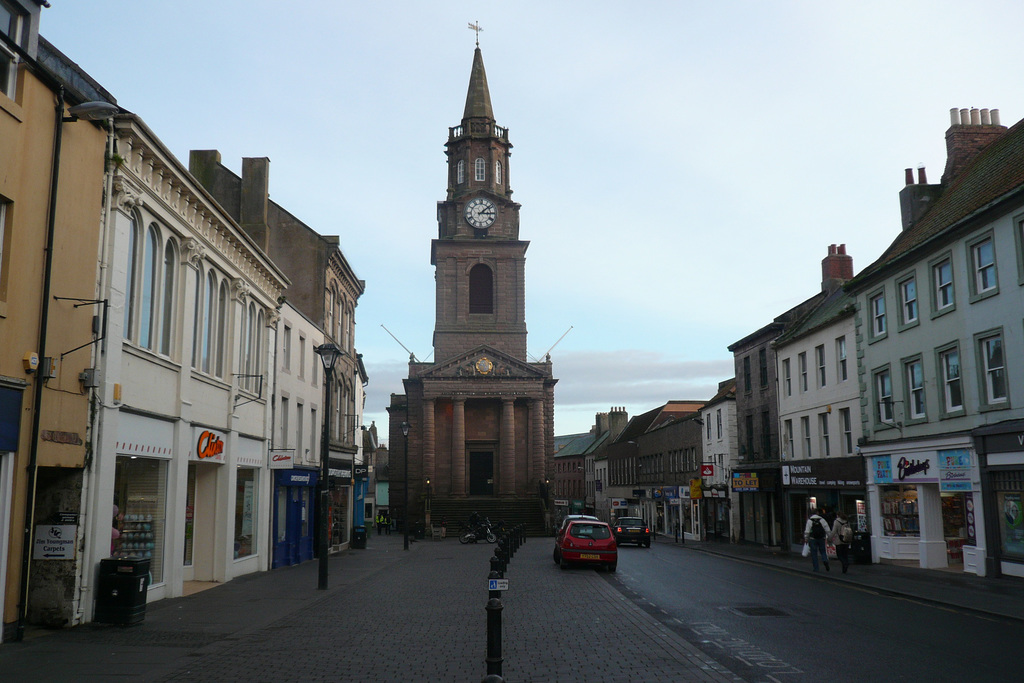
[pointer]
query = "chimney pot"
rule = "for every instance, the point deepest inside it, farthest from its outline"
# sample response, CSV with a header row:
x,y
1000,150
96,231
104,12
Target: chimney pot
x,y
995,117
954,116
986,118
922,179
975,117
965,117
908,176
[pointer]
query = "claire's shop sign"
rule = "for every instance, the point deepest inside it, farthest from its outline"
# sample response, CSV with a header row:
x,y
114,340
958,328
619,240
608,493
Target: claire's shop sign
x,y
207,446
281,459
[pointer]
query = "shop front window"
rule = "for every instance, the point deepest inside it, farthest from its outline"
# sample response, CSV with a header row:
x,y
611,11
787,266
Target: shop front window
x,y
1011,523
899,510
140,502
245,512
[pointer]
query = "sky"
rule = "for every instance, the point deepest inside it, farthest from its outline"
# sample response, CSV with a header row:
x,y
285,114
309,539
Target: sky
x,y
682,166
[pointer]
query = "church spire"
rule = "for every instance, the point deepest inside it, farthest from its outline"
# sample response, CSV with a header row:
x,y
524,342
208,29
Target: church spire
x,y
478,99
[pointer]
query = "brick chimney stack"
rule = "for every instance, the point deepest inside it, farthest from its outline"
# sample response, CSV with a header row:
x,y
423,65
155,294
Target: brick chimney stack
x,y
970,131
836,268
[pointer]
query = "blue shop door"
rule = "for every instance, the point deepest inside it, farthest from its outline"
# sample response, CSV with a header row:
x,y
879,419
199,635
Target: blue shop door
x,y
292,542
304,513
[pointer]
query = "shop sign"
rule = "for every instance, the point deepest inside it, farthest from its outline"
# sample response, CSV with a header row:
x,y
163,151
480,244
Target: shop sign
x,y
639,493
955,470
54,542
834,473
362,473
657,494
618,503
299,478
670,492
695,489
341,473
209,446
281,458
882,467
562,502
745,481
707,469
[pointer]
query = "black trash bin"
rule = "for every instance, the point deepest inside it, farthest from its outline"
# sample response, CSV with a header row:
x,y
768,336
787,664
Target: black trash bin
x,y
419,530
121,591
359,537
861,547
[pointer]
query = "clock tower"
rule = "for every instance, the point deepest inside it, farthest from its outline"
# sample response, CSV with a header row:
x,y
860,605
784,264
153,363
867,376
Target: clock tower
x,y
480,417
479,260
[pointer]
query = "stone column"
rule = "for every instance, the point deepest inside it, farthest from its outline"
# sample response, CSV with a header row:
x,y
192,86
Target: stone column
x,y
536,441
507,448
428,441
458,447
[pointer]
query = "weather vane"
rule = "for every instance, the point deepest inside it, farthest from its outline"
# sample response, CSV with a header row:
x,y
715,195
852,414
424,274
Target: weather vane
x,y
475,26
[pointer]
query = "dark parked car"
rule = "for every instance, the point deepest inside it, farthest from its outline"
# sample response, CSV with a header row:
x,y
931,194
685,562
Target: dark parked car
x,y
587,542
632,530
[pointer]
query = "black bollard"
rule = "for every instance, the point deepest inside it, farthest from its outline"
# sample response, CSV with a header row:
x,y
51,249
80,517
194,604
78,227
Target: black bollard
x,y
496,567
494,658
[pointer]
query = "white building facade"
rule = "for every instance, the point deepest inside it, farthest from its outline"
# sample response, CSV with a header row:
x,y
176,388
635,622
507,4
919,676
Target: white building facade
x,y
180,473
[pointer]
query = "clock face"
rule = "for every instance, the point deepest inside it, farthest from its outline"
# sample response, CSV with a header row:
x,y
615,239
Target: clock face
x,y
481,212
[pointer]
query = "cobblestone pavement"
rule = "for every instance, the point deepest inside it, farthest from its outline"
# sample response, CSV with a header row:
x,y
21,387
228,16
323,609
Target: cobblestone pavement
x,y
389,615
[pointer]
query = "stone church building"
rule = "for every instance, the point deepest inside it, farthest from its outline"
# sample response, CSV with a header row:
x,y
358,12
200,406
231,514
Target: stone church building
x,y
481,416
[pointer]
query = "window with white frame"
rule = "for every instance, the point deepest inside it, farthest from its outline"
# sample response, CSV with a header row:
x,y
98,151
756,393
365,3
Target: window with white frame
x,y
802,366
196,318
846,423
949,368
819,355
787,435
286,349
883,396
707,420
787,381
993,369
942,277
285,420
150,287
718,421
298,428
302,356
826,446
878,315
460,171
480,170
841,358
805,428
915,389
908,300
983,262
14,24
3,236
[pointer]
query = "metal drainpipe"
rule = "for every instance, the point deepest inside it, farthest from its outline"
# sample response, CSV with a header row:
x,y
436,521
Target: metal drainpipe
x,y
26,549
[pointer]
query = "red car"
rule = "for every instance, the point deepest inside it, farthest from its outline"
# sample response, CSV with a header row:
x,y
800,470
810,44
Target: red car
x,y
587,541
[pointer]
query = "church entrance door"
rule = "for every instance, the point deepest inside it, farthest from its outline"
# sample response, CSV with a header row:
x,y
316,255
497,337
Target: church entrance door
x,y
481,473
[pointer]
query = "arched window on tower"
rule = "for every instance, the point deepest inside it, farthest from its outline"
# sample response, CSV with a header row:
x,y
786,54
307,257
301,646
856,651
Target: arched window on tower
x,y
460,172
497,173
481,170
481,289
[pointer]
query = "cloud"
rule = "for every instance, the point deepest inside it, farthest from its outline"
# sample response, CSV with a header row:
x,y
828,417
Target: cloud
x,y
590,382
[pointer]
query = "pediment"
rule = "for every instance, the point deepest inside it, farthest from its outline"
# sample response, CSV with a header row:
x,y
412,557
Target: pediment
x,y
483,362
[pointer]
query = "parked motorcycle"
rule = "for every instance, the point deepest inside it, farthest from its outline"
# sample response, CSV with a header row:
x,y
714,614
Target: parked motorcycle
x,y
481,531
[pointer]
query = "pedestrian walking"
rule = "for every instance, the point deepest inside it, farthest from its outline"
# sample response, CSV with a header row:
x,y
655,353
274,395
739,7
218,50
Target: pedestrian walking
x,y
816,533
387,522
842,536
380,523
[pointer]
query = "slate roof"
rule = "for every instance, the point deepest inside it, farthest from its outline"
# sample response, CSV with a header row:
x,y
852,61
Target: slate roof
x,y
996,174
837,305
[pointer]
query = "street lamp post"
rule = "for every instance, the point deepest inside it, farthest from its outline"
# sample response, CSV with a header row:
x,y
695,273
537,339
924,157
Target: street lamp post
x,y
329,354
405,467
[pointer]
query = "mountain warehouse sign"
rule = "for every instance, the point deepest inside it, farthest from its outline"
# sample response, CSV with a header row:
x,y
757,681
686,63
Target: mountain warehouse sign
x,y
833,473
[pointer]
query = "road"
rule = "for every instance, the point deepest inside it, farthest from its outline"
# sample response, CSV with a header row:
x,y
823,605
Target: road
x,y
769,624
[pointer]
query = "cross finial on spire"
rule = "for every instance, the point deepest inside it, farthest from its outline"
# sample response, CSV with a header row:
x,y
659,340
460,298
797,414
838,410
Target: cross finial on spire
x,y
475,26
